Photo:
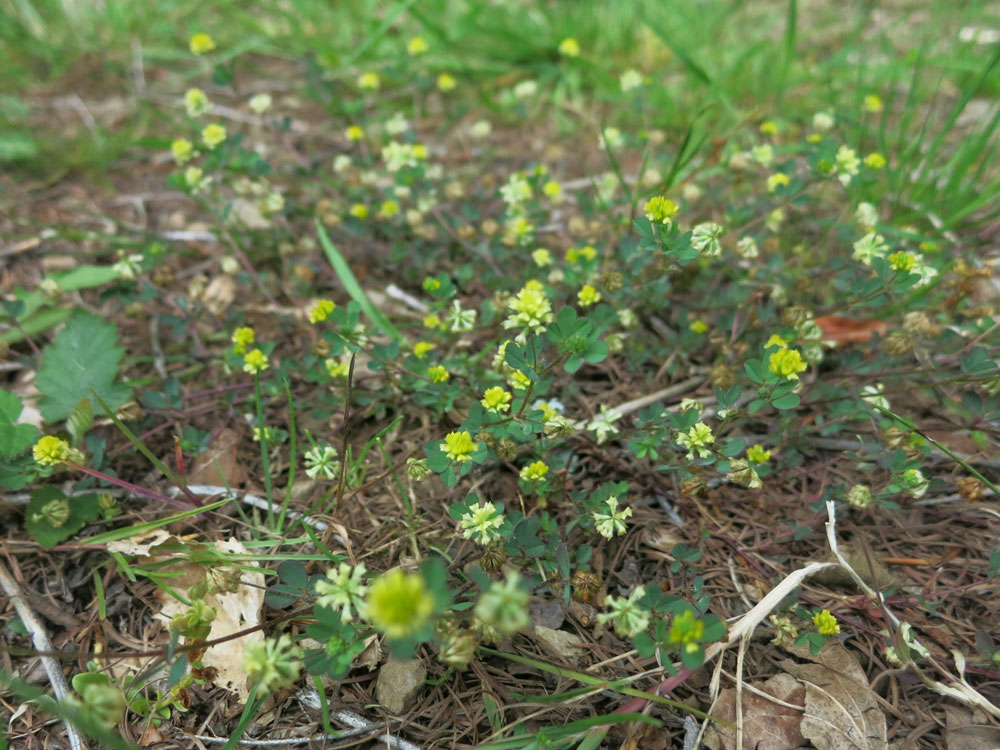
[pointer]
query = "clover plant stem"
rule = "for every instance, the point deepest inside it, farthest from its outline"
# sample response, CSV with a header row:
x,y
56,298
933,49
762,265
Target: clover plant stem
x,y
292,454
265,460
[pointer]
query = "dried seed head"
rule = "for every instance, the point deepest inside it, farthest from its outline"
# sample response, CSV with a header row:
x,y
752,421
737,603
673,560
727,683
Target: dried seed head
x,y
586,584
722,376
971,489
898,343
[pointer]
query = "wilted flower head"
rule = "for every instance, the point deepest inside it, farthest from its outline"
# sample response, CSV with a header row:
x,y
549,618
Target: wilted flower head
x,y
343,590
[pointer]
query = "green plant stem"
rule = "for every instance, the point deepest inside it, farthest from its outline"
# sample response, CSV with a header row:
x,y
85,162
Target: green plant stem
x,y
943,448
265,458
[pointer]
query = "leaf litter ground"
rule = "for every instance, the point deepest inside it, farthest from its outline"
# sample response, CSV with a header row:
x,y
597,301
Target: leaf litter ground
x,y
930,554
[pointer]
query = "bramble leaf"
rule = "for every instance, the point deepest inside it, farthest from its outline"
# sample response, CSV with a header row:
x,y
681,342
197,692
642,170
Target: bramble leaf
x,y
83,356
14,438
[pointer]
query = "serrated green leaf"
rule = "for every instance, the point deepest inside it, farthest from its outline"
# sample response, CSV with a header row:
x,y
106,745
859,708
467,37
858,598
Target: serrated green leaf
x,y
14,438
83,356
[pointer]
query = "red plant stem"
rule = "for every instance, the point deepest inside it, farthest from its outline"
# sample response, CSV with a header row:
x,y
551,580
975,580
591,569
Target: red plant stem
x,y
132,487
635,705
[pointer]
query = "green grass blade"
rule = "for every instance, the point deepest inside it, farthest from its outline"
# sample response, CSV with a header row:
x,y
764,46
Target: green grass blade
x,y
142,528
350,282
679,52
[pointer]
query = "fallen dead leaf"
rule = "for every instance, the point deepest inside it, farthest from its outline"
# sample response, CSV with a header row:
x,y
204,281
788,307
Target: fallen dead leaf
x,y
372,654
969,730
144,545
843,330
235,612
647,737
766,725
841,710
219,464
219,294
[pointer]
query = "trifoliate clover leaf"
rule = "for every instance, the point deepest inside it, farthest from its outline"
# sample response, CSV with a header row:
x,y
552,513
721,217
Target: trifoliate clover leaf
x,y
83,356
52,517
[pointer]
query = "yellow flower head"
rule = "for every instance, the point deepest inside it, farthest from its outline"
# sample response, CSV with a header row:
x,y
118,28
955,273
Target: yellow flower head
x,y
535,472
787,363
388,209
588,296
542,257
196,102
826,623
369,81
518,379
660,209
875,160
769,127
552,190
242,338
212,135
775,340
698,326
201,43
255,362
417,46
438,374
354,133
778,179
446,82
569,47
432,321
758,454
459,446
194,178
359,211
182,149
337,369
873,103
496,399
321,310
902,261
50,450
399,603
530,308
422,348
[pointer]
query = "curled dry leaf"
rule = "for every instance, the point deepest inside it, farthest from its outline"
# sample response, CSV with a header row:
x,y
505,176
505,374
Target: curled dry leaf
x,y
842,330
841,710
766,725
219,464
235,612
144,545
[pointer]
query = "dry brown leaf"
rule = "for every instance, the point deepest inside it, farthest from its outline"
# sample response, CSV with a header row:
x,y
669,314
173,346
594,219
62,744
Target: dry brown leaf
x,y
647,737
969,730
219,294
766,724
143,545
372,654
841,711
234,612
842,330
219,464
